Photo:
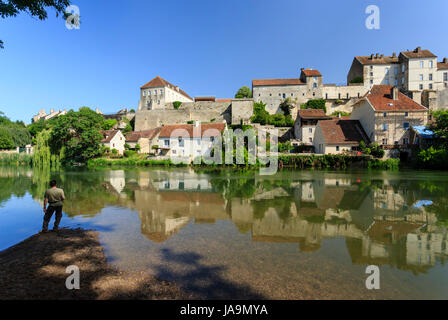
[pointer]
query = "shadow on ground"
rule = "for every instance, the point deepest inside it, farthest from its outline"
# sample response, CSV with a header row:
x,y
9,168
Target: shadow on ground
x,y
202,281
36,269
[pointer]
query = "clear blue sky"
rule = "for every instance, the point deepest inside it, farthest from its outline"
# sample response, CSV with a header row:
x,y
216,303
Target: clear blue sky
x,y
207,47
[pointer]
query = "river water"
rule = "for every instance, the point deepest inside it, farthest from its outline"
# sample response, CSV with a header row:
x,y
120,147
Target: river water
x,y
238,235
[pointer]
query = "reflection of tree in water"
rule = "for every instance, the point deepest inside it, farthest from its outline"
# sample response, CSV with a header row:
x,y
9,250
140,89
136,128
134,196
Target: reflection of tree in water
x,y
282,206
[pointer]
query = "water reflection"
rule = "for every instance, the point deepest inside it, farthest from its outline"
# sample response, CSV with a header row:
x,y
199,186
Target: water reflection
x,y
385,220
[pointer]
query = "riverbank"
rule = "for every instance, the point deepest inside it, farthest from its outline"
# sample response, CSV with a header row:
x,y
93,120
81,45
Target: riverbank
x,y
36,269
297,161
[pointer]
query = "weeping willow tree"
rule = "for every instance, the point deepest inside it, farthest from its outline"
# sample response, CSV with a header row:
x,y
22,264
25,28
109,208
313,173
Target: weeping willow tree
x,y
43,156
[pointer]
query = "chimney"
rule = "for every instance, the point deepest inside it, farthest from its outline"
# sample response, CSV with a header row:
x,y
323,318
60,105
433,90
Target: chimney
x,y
382,56
418,49
377,55
51,111
372,56
395,93
445,60
394,55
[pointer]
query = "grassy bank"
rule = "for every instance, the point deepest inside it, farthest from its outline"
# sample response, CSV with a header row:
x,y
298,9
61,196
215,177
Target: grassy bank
x,y
16,159
285,161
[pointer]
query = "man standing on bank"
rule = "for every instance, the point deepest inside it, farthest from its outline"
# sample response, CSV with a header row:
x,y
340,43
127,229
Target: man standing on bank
x,y
55,198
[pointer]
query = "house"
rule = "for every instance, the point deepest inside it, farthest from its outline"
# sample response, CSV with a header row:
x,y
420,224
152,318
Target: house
x,y
387,116
146,140
422,137
337,136
306,123
158,92
113,139
190,140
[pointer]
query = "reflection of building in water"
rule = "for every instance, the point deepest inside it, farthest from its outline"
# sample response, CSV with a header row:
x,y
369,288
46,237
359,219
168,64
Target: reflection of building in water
x,y
424,249
117,179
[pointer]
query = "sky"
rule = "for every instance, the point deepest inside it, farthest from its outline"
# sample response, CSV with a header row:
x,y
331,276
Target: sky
x,y
207,47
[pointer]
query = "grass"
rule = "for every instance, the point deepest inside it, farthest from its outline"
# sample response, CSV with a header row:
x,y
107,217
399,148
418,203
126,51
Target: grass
x,y
19,159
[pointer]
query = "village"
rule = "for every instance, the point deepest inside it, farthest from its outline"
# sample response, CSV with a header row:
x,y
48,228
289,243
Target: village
x,y
386,104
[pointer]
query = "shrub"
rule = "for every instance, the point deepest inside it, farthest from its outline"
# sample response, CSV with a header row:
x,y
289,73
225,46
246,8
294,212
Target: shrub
x,y
114,151
177,104
315,104
190,122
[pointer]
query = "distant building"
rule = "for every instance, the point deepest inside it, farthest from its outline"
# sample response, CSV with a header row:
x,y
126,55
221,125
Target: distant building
x,y
43,115
337,136
158,92
387,116
422,137
114,139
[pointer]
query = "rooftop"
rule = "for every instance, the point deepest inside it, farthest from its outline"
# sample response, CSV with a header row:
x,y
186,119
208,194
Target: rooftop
x,y
418,53
312,114
137,135
381,99
337,131
108,135
311,73
277,82
159,82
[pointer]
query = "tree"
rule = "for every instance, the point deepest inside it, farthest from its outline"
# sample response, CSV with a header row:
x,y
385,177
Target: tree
x,y
5,139
79,133
109,124
315,104
36,127
36,8
286,106
260,116
244,92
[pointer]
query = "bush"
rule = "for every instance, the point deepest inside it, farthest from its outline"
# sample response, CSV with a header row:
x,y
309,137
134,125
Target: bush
x,y
263,117
190,122
114,151
177,104
315,104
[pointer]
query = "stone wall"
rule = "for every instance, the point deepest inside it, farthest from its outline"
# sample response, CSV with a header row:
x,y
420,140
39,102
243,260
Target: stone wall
x,y
231,111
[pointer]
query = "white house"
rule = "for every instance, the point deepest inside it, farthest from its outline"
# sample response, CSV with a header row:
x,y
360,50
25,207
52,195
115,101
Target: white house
x,y
114,139
189,141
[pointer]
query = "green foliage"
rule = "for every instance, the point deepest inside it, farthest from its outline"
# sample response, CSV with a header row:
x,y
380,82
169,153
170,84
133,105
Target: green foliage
x,y
79,133
36,127
284,147
315,104
16,159
114,151
244,92
340,113
177,104
373,149
190,122
357,80
132,111
6,141
433,158
286,106
130,153
109,124
263,117
212,120
132,162
389,164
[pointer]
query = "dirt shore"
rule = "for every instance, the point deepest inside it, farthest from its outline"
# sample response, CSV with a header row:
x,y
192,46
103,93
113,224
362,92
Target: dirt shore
x,y
36,269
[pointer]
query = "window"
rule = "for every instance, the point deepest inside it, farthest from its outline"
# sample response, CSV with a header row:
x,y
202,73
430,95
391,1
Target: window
x,y
384,141
385,126
326,96
199,142
430,86
396,70
158,101
371,67
405,141
406,125
387,81
181,142
371,81
422,64
430,77
402,68
161,91
421,86
311,140
167,143
292,94
406,114
371,74
387,70
384,114
431,64
348,96
396,82
181,185
421,77
396,142
212,139
445,76
284,96
402,81
314,94
314,85
311,130
167,185
337,148
144,93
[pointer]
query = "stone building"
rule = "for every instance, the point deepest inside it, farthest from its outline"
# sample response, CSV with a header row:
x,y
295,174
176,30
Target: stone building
x,y
114,139
146,140
416,73
306,123
387,115
158,92
53,114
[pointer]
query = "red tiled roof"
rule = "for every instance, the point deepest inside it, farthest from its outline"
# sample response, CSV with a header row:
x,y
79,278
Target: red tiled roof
x,y
223,100
188,130
159,82
442,66
137,135
418,53
336,131
312,114
311,73
212,99
277,82
108,135
380,97
367,60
